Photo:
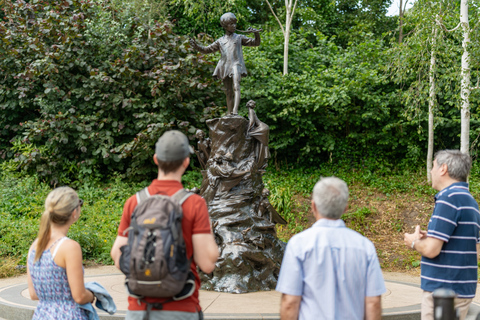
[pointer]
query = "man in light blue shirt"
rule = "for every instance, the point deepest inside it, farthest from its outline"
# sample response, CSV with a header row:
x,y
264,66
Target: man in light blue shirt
x,y
329,271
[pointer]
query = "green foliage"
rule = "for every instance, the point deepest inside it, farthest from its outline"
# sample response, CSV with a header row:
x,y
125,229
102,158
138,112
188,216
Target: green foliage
x,y
146,11
21,206
192,178
356,219
203,15
302,180
409,67
334,105
344,21
21,201
416,263
87,87
291,188
281,199
91,89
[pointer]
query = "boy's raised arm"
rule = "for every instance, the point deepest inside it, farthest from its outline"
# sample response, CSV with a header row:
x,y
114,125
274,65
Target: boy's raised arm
x,y
208,49
252,42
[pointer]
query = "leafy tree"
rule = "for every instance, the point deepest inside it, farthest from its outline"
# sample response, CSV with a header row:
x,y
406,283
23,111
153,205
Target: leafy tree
x,y
401,12
430,43
290,7
465,88
418,53
91,88
333,105
346,21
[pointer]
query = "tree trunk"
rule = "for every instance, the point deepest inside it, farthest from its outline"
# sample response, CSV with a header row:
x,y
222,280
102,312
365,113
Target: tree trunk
x,y
285,50
431,105
465,82
290,10
288,22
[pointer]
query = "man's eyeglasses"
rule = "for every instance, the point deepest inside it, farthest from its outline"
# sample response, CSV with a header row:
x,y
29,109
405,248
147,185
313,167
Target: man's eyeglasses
x,y
80,202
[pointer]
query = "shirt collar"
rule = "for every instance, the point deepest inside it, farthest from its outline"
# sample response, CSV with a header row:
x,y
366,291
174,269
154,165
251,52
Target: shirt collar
x,y
330,223
166,183
453,185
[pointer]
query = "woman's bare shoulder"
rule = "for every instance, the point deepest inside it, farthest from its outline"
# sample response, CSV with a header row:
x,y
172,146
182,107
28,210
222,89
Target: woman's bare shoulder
x,y
70,244
33,246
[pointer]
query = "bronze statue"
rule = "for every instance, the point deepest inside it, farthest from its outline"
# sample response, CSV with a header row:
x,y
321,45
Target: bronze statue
x,y
260,131
267,211
194,190
222,174
204,147
214,173
234,159
231,67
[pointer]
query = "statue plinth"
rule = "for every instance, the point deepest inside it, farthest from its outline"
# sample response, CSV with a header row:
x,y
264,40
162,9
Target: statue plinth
x,y
250,252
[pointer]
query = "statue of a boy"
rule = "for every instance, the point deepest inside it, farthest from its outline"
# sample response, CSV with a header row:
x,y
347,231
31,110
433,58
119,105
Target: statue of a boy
x,y
231,67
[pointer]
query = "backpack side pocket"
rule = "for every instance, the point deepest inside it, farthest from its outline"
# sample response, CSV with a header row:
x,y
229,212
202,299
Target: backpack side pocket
x,y
125,260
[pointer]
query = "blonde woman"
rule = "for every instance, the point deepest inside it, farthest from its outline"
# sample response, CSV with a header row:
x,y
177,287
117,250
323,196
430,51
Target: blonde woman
x,y
55,271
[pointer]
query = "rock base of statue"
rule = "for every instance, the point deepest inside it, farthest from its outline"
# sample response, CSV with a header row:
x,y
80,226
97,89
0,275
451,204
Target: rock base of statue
x,y
250,252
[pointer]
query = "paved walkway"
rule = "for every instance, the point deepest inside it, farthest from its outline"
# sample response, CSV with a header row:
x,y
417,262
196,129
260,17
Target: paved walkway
x,y
401,301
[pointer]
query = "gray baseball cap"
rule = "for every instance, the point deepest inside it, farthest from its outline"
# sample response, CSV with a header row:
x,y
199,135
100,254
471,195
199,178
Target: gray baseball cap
x,y
172,146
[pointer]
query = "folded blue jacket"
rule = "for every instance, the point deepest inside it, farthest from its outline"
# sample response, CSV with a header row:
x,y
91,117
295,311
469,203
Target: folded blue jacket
x,y
104,301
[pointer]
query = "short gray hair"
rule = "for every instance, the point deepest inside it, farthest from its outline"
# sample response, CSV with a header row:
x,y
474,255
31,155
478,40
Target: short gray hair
x,y
330,196
458,163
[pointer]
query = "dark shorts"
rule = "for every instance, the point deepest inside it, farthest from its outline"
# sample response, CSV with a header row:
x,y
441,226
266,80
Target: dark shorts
x,y
164,315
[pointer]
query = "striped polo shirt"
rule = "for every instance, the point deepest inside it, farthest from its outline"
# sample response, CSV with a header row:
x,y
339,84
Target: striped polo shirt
x,y
455,220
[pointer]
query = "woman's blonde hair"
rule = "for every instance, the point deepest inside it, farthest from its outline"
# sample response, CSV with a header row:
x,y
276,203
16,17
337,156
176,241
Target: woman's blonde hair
x,y
59,206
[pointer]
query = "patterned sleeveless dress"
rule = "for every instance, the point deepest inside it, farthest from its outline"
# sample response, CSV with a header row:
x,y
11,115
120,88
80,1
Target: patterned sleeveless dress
x,y
51,285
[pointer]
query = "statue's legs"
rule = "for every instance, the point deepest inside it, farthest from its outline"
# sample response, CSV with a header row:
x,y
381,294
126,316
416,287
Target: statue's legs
x,y
228,87
236,89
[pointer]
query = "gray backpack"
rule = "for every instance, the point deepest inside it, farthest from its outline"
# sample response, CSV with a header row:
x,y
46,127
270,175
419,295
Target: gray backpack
x,y
154,260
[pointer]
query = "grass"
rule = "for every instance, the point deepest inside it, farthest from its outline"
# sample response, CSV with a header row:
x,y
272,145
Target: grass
x,y
381,207
9,267
22,203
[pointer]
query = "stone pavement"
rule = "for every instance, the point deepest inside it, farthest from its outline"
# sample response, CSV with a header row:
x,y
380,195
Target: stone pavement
x,y
401,301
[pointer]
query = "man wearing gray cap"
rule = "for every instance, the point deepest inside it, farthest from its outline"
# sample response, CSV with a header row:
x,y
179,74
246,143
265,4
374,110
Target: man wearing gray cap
x,y
172,156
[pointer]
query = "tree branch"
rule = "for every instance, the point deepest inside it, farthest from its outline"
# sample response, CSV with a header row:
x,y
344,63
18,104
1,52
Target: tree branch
x,y
293,11
405,7
410,32
445,28
278,20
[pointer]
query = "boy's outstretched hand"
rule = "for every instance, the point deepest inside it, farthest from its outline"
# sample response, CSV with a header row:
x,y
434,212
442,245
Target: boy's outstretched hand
x,y
193,43
252,30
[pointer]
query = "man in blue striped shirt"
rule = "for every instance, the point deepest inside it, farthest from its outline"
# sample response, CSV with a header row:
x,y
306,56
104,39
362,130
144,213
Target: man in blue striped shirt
x,y
329,271
448,248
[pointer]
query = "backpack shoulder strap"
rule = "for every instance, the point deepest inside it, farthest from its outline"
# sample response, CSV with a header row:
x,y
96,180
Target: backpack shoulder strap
x,y
142,195
181,195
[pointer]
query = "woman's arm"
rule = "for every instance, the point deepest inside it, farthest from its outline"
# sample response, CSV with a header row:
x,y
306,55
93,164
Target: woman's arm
x,y
31,289
70,256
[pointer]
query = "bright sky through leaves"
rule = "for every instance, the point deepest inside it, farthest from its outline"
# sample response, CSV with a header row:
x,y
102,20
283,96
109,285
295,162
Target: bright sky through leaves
x,y
393,10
